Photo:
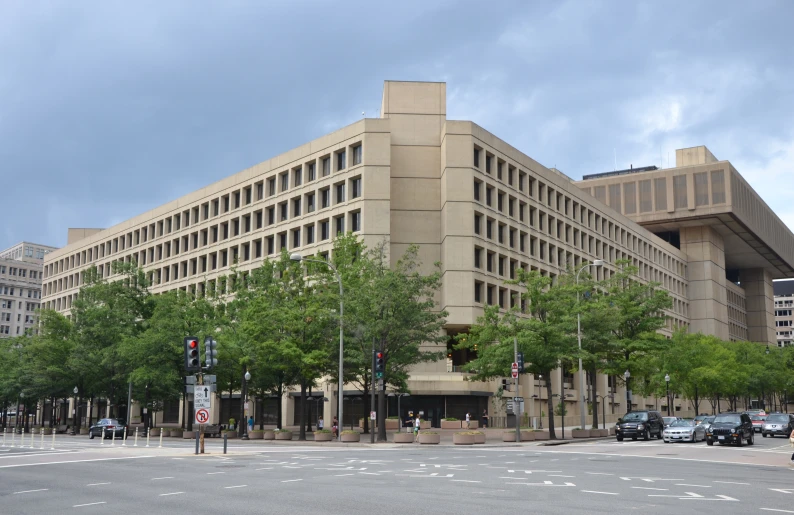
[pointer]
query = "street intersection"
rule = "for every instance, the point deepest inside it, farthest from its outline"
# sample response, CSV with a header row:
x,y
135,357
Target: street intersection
x,y
581,477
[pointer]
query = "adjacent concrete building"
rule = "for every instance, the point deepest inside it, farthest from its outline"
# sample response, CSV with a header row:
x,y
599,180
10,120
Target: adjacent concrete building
x,y
20,287
480,207
784,307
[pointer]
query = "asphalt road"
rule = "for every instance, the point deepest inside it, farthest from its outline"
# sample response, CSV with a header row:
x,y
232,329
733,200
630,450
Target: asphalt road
x,y
595,477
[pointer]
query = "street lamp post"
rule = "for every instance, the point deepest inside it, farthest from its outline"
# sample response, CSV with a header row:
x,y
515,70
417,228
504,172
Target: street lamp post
x,y
244,396
597,262
340,394
315,400
21,428
604,407
626,377
399,413
667,382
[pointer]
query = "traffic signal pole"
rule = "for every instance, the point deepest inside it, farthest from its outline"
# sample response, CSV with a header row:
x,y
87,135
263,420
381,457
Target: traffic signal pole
x,y
516,404
200,382
372,396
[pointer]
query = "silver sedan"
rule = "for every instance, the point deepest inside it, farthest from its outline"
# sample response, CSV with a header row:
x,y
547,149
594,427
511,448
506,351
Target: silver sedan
x,y
684,430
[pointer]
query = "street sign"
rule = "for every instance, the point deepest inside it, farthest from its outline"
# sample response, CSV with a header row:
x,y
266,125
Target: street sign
x,y
514,370
209,379
190,379
202,397
518,399
189,389
372,415
202,416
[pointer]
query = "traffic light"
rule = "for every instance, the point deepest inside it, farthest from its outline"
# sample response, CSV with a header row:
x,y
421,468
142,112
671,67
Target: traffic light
x,y
192,363
210,353
379,365
520,361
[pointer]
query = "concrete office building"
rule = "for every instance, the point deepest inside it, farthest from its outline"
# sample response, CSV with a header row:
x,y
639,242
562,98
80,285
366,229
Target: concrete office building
x,y
20,287
784,307
481,208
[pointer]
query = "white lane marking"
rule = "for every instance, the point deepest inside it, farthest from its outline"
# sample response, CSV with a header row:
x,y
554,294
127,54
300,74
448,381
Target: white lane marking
x,y
291,480
97,484
697,486
27,454
171,493
211,473
342,475
88,504
594,492
731,483
464,481
599,473
237,486
773,509
559,475
166,477
265,468
649,488
31,491
71,461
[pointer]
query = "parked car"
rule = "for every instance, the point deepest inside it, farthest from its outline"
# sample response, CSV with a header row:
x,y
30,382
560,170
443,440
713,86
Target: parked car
x,y
684,430
778,424
755,412
110,426
707,421
669,420
640,423
731,428
758,422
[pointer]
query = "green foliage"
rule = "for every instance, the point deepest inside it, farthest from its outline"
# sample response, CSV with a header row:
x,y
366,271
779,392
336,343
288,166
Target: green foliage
x,y
560,409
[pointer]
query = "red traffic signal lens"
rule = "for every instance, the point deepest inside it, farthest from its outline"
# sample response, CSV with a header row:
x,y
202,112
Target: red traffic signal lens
x,y
379,355
193,344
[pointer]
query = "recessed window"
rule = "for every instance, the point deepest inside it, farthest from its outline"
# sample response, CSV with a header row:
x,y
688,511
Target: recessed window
x,y
284,211
357,154
340,192
284,181
476,157
325,230
297,176
296,238
326,166
296,207
341,162
309,234
310,172
339,221
325,197
477,186
271,186
355,187
355,221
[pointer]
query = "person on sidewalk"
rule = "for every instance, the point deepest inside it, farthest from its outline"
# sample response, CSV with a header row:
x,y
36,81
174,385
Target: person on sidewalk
x,y
250,423
485,419
416,428
320,423
468,420
335,426
791,442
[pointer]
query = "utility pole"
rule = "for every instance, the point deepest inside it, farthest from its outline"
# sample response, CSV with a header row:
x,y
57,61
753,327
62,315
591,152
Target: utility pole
x,y
516,404
372,395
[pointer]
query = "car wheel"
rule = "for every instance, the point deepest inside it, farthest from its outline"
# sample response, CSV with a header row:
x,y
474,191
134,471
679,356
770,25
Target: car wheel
x,y
90,435
634,438
646,435
620,438
764,435
709,442
740,443
751,440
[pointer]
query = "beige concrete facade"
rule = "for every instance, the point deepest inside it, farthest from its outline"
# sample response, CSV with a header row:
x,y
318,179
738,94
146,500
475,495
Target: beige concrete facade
x,y
784,312
471,201
20,287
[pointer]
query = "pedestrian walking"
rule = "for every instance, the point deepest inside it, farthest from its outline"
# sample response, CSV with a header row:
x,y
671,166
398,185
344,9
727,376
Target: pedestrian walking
x,y
335,426
417,422
485,419
791,442
468,420
320,423
250,423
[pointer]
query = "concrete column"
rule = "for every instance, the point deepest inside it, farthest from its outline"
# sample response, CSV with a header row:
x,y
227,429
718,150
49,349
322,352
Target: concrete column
x,y
759,298
708,307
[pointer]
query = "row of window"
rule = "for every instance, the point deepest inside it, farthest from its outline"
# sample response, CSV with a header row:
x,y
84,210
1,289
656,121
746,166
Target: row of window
x,y
18,272
6,317
274,185
564,205
782,312
270,245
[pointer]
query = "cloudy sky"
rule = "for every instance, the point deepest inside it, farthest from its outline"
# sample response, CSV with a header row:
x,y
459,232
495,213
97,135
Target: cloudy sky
x,y
108,109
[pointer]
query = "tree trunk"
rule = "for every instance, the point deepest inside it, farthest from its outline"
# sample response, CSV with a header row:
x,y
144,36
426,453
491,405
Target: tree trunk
x,y
367,401
302,420
278,415
381,414
147,424
550,405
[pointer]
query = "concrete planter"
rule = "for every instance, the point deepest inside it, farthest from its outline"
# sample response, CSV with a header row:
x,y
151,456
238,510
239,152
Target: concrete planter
x,y
599,433
256,434
581,433
404,438
165,432
83,430
175,433
461,439
47,430
269,435
479,438
450,424
188,435
528,436
473,424
540,435
323,437
392,424
283,435
428,438
155,431
230,434
509,436
611,431
350,437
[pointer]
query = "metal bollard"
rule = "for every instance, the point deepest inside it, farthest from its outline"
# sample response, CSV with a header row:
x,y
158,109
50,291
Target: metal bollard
x,y
13,436
148,431
224,443
52,445
197,442
136,437
42,438
124,442
4,437
113,438
161,439
103,437
22,438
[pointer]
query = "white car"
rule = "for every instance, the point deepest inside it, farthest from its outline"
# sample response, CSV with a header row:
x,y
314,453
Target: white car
x,y
684,430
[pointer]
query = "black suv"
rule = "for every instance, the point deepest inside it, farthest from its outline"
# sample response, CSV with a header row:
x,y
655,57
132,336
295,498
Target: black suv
x,y
640,423
731,428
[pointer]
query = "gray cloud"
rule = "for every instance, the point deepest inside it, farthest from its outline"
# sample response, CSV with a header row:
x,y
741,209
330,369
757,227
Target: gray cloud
x,y
112,108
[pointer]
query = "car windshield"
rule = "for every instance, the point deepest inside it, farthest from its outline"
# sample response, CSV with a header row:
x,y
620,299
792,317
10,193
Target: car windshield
x,y
708,420
757,418
635,417
777,418
729,419
669,420
683,423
